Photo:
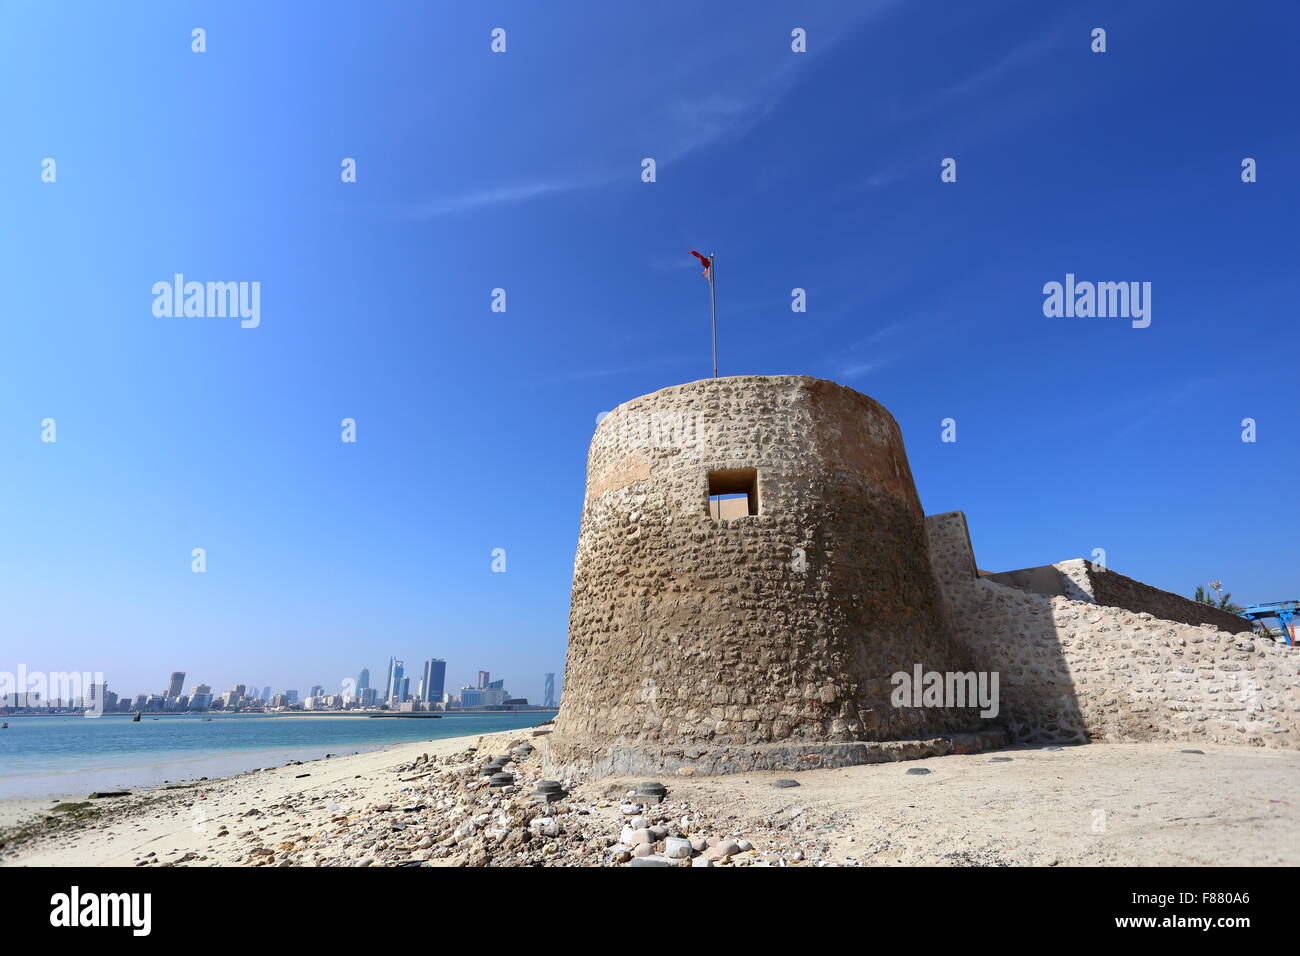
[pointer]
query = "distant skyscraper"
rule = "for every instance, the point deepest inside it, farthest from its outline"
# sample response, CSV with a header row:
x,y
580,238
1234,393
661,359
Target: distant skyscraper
x,y
396,669
548,691
483,677
435,675
406,690
494,695
266,692
363,680
174,685
316,690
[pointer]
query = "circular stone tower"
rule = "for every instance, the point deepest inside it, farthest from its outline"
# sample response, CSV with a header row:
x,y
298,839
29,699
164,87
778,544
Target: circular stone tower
x,y
751,571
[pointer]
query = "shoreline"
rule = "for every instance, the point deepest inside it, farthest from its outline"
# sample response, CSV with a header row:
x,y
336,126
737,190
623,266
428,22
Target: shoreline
x,y
138,770
16,810
216,714
428,803
134,821
191,769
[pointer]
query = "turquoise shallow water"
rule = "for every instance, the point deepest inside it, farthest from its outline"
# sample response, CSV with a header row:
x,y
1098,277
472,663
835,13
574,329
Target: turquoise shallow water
x,y
58,756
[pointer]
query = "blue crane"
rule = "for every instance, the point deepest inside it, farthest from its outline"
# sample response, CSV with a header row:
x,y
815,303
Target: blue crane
x,y
1283,611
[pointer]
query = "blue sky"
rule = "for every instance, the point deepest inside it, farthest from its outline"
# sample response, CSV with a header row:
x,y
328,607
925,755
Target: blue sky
x,y
522,170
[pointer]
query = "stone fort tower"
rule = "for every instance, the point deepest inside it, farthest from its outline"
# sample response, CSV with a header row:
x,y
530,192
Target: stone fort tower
x,y
752,568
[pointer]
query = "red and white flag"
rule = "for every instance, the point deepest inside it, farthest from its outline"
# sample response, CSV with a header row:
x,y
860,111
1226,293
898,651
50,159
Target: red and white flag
x,y
706,262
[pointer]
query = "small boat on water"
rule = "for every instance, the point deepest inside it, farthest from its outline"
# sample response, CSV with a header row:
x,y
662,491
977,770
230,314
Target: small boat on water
x,y
4,726
136,718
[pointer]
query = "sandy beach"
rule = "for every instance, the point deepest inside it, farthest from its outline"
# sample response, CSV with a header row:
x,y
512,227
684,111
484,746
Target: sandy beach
x,y
430,804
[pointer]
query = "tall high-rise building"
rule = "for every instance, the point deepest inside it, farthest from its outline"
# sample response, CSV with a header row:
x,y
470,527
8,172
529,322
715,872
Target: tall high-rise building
x,y
435,676
266,692
548,691
174,685
483,678
393,690
363,680
406,690
316,690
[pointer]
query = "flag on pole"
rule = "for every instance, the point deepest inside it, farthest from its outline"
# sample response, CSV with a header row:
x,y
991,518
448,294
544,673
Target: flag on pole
x,y
705,261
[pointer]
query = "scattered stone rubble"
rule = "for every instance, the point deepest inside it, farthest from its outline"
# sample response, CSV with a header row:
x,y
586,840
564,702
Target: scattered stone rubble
x,y
457,810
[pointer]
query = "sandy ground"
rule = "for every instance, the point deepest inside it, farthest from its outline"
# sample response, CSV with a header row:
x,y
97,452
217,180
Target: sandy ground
x,y
1097,805
1103,804
189,819
16,809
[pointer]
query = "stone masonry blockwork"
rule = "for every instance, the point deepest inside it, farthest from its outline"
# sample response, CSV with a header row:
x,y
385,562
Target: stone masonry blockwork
x,y
763,640
707,640
1074,671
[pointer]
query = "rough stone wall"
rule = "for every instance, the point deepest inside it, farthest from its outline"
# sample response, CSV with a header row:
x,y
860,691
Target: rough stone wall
x,y
764,640
1076,584
1115,590
1081,580
1067,579
1072,671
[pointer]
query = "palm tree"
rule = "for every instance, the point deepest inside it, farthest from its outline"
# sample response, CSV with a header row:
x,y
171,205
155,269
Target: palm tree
x,y
1220,598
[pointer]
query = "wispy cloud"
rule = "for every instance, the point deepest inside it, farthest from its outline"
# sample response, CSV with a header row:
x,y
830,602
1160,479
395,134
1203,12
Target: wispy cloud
x,y
688,124
881,333
969,126
1159,406
935,323
490,198
874,365
673,114
697,122
1020,55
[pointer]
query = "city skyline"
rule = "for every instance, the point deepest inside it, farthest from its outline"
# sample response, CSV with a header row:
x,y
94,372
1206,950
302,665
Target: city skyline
x,y
266,692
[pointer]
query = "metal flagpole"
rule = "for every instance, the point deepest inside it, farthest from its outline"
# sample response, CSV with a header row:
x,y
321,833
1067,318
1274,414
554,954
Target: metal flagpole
x,y
713,303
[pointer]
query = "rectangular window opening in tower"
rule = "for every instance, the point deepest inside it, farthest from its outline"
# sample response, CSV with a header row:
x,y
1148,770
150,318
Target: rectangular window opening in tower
x,y
733,493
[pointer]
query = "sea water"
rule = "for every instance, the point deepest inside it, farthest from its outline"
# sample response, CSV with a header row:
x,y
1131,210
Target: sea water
x,y
57,756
